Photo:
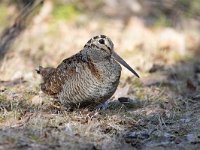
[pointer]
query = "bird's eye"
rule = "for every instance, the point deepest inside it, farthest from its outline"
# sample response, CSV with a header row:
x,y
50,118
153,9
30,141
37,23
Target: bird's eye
x,y
101,41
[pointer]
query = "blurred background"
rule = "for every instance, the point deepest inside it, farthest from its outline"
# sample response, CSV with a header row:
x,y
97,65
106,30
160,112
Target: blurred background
x,y
144,33
160,39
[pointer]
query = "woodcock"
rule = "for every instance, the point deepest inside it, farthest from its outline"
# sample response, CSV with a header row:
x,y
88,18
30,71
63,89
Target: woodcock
x,y
88,77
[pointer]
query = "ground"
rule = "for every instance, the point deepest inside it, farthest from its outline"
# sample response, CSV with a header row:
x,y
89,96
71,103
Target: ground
x,y
160,110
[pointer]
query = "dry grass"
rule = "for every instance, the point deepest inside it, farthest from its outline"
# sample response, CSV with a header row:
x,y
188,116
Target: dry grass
x,y
168,90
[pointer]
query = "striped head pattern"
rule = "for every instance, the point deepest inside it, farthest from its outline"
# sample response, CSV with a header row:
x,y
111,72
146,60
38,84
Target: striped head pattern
x,y
101,42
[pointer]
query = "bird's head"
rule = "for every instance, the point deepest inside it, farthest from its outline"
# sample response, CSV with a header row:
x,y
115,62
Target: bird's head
x,y
101,46
101,43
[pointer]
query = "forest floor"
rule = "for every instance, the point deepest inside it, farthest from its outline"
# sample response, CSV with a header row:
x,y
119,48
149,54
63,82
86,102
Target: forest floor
x,y
160,110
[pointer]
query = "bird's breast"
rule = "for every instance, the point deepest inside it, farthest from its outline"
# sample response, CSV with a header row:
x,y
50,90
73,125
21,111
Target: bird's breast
x,y
92,82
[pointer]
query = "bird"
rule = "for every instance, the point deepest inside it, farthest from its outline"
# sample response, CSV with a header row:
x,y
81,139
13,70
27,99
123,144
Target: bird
x,y
88,78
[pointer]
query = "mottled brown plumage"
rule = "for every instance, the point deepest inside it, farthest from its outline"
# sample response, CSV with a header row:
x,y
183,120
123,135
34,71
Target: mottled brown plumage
x,y
89,77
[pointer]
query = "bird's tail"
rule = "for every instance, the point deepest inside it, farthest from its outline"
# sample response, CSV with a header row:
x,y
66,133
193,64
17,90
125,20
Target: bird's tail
x,y
39,69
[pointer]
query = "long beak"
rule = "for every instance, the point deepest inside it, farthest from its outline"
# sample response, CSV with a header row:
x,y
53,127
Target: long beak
x,y
121,61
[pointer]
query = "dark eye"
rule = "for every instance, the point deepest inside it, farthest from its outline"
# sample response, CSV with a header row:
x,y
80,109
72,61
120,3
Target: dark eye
x,y
101,41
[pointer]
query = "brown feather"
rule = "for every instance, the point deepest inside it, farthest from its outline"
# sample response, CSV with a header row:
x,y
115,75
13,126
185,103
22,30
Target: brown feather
x,y
86,78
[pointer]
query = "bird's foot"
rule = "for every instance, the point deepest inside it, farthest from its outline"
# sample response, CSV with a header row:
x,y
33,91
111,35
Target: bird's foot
x,y
103,106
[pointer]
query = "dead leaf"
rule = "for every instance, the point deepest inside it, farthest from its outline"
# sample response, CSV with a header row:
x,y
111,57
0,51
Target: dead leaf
x,y
155,68
191,85
36,100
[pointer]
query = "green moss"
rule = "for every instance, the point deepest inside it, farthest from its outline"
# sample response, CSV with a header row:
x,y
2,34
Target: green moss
x,y
2,118
140,94
36,138
3,14
10,115
192,8
2,98
162,21
27,96
65,12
